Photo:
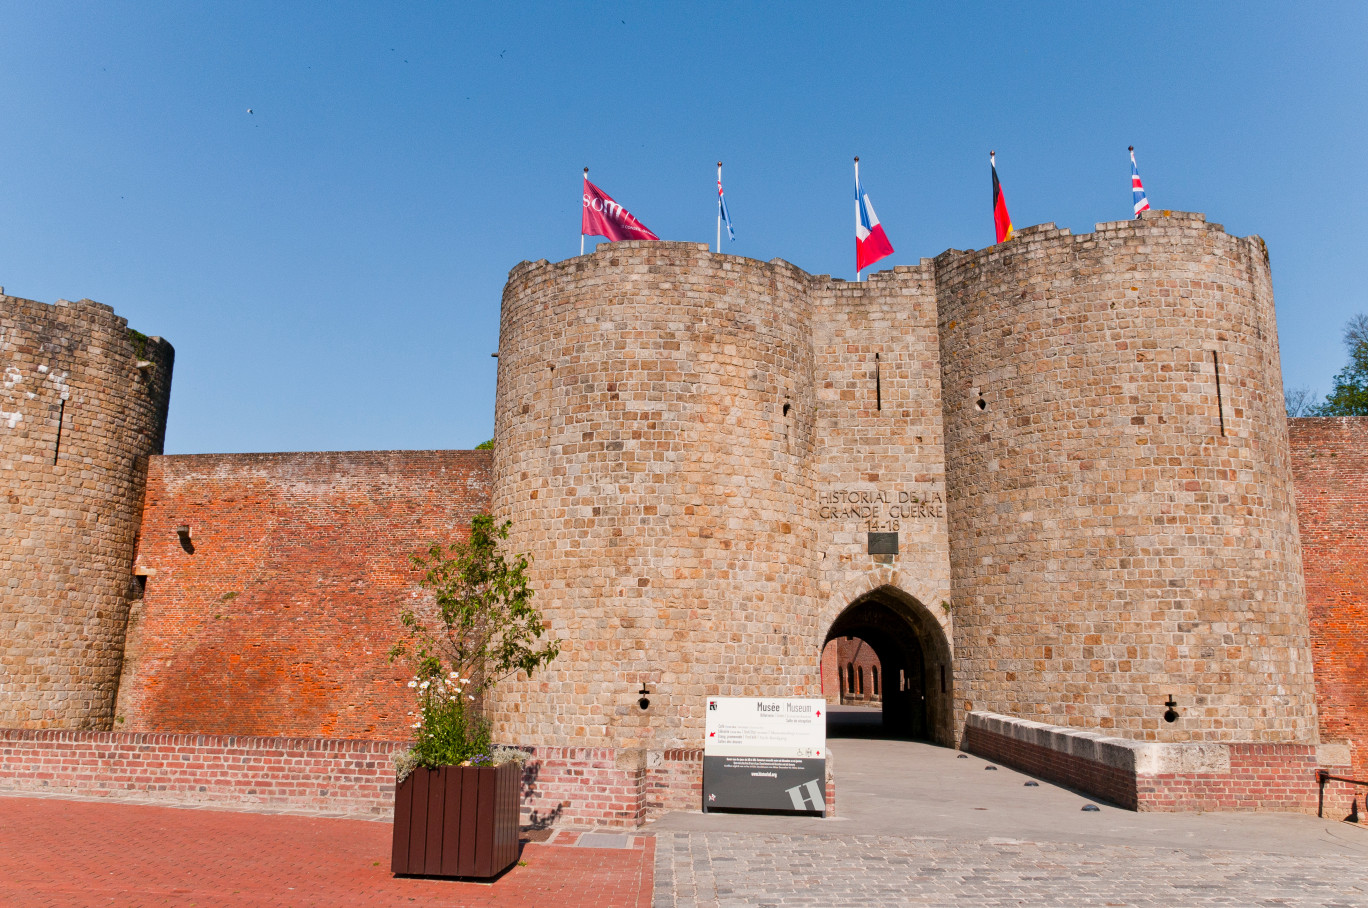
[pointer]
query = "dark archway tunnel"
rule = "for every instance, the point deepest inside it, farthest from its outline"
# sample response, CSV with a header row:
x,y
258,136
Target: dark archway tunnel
x,y
914,661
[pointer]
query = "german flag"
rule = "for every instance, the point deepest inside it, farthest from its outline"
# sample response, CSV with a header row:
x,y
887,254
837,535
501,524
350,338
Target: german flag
x,y
1001,219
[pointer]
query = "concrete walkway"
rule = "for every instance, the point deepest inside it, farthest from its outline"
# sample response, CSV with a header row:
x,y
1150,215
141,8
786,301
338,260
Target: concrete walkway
x,y
919,824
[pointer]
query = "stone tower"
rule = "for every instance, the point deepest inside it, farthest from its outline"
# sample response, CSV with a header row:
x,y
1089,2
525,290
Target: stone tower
x,y
82,404
1121,515
653,448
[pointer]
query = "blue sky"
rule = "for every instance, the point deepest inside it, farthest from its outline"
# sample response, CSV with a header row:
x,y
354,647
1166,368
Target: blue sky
x,y
329,266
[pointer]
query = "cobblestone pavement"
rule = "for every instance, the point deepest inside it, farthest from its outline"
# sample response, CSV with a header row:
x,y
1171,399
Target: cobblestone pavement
x,y
695,869
923,825
80,853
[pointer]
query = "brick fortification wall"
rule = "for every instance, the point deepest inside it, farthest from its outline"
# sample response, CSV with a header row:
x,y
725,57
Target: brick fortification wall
x,y
1122,524
1078,440
83,402
280,619
1330,463
653,436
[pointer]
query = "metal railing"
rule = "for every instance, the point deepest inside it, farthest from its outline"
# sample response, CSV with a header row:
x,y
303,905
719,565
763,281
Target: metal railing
x,y
1322,777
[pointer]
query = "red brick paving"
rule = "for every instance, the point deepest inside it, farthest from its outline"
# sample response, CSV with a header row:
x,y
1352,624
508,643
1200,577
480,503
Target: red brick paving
x,y
64,853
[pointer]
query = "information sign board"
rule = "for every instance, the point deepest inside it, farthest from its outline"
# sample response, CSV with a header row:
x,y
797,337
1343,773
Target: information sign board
x,y
765,753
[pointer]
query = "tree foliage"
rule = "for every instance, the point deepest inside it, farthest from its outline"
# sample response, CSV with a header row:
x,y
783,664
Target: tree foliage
x,y
479,629
1349,397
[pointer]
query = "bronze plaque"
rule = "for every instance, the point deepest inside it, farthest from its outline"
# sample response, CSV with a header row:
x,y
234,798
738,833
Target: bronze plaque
x,y
883,543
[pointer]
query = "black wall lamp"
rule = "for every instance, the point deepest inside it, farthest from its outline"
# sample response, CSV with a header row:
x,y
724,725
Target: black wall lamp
x,y
644,702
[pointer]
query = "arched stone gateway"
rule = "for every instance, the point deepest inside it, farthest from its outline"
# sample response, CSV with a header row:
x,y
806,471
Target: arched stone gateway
x,y
915,658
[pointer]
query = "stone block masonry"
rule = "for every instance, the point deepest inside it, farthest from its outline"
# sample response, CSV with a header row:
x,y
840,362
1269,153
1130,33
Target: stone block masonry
x,y
277,614
1121,514
83,403
653,439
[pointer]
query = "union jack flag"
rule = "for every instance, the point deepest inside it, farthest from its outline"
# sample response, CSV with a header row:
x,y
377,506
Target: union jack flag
x,y
1137,190
722,211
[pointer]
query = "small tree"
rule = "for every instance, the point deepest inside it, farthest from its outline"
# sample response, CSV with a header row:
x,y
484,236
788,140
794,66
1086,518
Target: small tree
x,y
482,629
1298,401
1350,394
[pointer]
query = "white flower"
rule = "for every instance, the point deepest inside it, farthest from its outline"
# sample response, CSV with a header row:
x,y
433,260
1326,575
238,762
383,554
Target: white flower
x,y
425,685
452,675
465,680
413,684
416,725
470,698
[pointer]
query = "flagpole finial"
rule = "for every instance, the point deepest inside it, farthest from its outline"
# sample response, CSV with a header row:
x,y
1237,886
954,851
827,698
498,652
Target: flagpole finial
x,y
857,159
719,163
586,172
1132,148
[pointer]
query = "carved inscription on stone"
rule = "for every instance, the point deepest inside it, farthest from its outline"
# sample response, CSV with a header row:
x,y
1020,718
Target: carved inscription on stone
x,y
881,510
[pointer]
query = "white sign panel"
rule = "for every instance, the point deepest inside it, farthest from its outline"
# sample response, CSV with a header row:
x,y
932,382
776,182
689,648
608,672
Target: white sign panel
x,y
765,727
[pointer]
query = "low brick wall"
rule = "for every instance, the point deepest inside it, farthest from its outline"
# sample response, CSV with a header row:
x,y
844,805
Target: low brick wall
x,y
1151,776
571,785
1260,777
353,778
1088,771
583,786
674,781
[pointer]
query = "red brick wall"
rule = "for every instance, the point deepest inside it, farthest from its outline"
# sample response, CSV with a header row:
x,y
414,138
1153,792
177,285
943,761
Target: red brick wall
x,y
582,786
561,785
1262,777
675,783
1106,782
836,656
1330,472
349,777
281,620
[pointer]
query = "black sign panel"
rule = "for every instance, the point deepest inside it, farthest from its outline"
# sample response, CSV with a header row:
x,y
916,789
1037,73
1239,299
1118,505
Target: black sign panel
x,y
790,784
883,543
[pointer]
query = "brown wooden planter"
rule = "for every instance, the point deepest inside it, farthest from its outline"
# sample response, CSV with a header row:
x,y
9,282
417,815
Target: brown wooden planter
x,y
457,821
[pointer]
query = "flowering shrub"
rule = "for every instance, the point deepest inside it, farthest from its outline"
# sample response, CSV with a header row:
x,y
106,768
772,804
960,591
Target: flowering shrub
x,y
482,629
448,731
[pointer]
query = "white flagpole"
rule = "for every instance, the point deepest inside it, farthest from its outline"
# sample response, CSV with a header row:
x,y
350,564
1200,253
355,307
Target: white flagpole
x,y
719,206
586,187
857,208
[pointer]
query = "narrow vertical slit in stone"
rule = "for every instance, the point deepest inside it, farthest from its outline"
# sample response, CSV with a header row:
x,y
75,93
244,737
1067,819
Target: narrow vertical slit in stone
x,y
878,384
57,445
1220,404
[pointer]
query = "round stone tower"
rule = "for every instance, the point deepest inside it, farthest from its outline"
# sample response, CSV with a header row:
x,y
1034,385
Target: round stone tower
x,y
1123,538
82,404
653,437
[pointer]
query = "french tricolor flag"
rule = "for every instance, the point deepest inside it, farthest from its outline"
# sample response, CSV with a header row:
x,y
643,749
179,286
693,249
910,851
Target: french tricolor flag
x,y
870,242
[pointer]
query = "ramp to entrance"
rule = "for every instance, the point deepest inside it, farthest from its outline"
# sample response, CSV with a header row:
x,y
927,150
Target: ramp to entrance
x,y
915,789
